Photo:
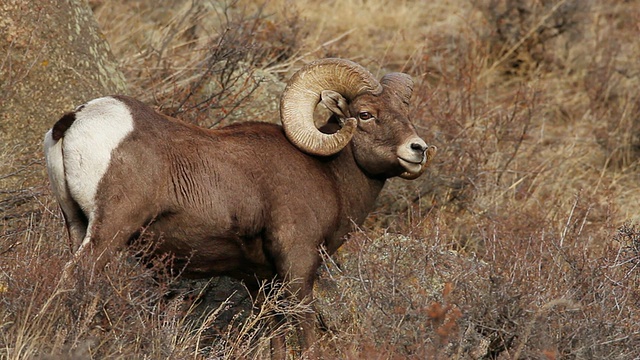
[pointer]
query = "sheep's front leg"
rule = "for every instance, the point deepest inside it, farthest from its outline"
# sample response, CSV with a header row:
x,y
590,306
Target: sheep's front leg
x,y
306,322
297,267
303,323
278,341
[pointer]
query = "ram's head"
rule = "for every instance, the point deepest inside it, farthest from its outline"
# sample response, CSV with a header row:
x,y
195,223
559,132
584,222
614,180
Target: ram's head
x,y
373,117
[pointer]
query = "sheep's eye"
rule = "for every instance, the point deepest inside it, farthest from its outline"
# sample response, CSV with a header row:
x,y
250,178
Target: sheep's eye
x,y
365,115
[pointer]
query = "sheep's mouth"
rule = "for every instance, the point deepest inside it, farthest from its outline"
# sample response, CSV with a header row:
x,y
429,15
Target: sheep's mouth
x,y
415,168
412,166
403,160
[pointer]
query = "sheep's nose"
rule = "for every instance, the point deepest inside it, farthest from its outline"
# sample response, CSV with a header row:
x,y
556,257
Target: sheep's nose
x,y
420,146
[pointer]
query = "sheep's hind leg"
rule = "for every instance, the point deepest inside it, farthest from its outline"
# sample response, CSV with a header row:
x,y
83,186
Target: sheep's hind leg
x,y
109,229
76,223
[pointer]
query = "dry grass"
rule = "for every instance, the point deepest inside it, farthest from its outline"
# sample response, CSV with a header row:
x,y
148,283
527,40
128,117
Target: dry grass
x,y
522,241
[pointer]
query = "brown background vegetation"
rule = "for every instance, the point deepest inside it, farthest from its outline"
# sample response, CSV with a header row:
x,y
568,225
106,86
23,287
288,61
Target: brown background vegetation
x,y
521,242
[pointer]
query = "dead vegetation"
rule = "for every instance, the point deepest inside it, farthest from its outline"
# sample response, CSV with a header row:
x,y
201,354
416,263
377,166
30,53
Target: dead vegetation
x,y
522,241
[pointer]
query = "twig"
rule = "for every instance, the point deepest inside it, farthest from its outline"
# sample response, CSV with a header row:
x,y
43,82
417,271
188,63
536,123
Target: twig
x,y
529,328
522,39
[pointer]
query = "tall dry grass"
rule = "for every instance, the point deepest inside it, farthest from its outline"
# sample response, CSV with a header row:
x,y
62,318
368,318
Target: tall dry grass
x,y
521,242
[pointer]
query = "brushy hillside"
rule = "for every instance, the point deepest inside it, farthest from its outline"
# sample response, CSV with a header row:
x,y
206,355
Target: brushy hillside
x,y
522,241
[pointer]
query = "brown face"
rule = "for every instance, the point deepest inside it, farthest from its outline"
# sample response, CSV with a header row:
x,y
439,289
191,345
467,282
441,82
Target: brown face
x,y
385,143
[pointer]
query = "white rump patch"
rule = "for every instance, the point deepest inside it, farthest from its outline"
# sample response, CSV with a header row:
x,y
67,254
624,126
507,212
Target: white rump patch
x,y
100,126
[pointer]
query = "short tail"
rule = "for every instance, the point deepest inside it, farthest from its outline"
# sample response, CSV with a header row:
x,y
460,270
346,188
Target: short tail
x,y
55,166
61,126
54,158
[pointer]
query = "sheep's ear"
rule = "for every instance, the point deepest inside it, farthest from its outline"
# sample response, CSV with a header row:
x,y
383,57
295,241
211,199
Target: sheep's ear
x,y
335,102
400,84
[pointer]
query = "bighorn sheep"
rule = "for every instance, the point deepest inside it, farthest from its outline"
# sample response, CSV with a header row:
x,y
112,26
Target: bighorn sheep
x,y
250,200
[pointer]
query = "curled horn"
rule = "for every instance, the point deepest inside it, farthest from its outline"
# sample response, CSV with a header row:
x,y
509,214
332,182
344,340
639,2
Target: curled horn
x,y
302,94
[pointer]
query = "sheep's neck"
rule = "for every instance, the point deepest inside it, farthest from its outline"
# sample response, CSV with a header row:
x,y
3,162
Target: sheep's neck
x,y
357,196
